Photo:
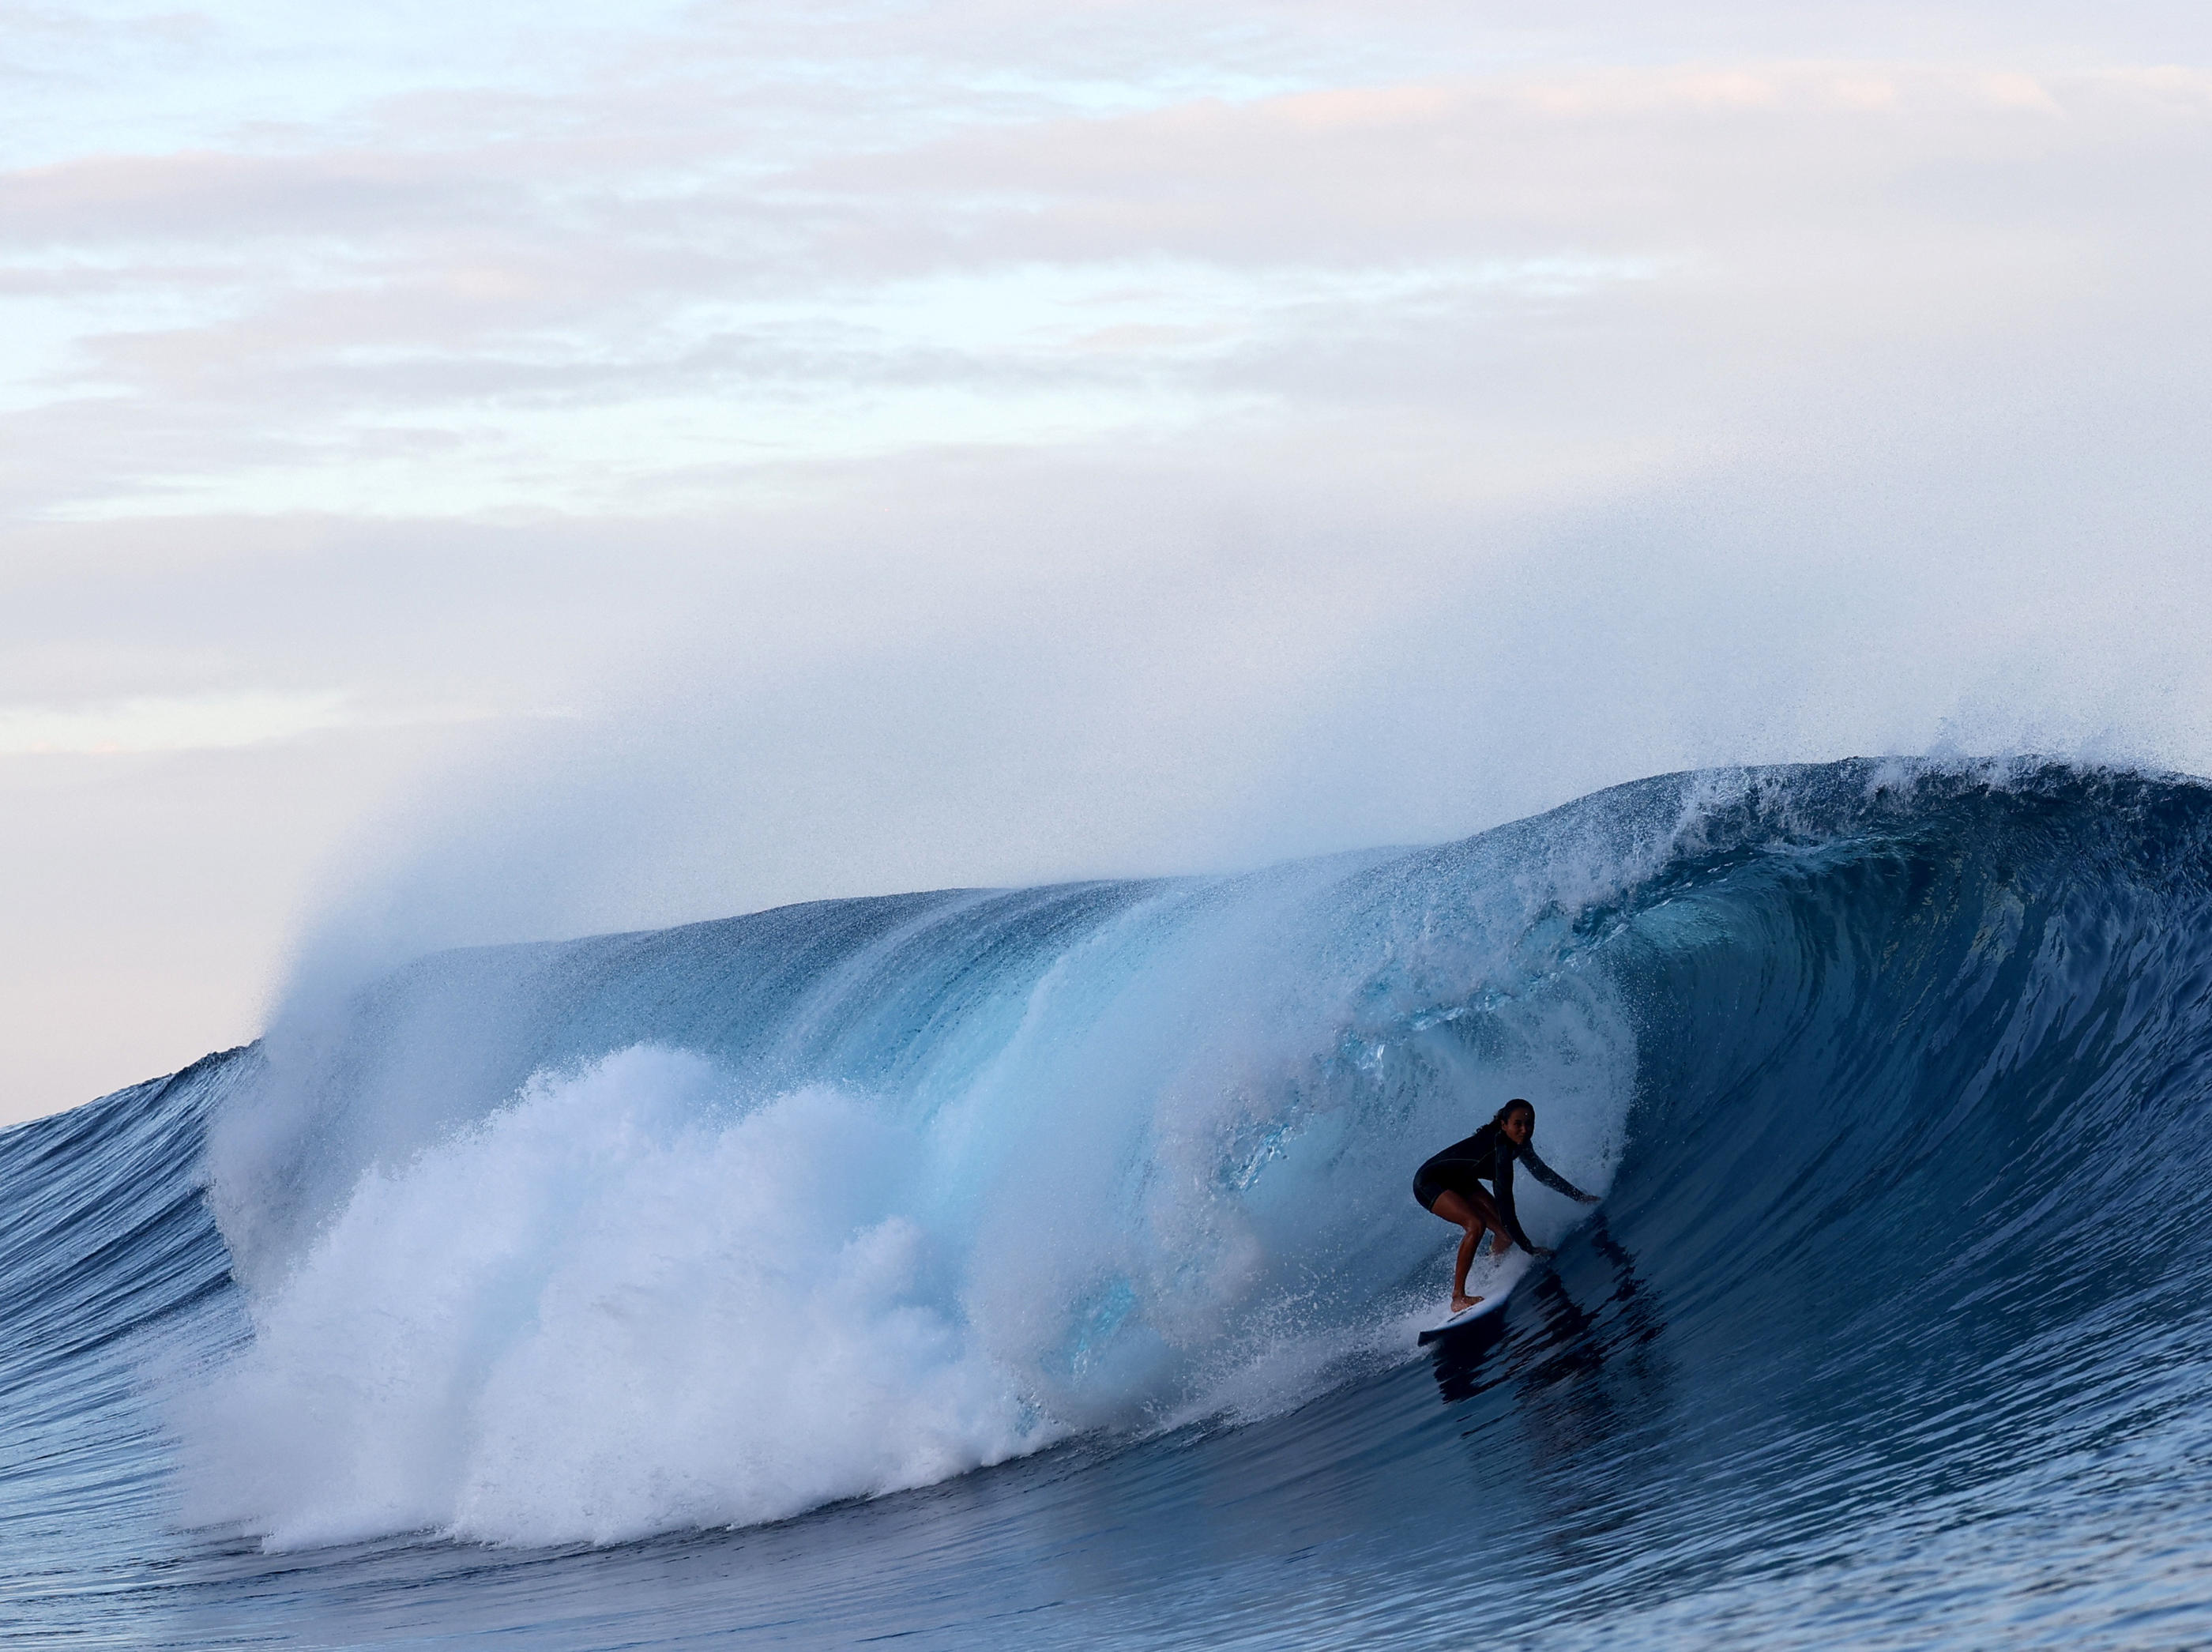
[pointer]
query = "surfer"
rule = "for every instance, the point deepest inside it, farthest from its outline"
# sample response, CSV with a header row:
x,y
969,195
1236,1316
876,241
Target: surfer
x,y
1449,1185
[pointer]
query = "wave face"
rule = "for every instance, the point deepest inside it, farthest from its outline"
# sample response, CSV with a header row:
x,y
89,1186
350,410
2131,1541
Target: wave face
x,y
1040,1267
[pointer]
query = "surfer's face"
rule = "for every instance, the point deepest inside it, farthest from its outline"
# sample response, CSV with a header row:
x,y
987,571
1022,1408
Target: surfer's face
x,y
1518,1123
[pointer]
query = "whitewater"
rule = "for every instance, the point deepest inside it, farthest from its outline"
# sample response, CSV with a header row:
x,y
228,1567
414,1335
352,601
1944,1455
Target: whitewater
x,y
1039,1266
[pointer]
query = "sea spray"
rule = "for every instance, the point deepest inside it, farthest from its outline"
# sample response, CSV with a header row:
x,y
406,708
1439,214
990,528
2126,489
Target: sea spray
x,y
994,1171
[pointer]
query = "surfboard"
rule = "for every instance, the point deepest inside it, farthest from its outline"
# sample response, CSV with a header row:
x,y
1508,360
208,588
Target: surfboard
x,y
1503,1277
1489,1304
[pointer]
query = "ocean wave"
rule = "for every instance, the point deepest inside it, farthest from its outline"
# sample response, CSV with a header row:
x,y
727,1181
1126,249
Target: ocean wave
x,y
1891,1074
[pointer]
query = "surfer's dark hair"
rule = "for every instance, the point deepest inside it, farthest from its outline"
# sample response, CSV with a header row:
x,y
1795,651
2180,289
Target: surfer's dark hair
x,y
1518,1104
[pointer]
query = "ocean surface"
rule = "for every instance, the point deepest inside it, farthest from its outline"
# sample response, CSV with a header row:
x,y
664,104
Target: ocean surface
x,y
1038,1267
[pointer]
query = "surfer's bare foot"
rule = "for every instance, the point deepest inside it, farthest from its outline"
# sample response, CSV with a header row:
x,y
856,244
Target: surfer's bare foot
x,y
1499,1244
1461,1305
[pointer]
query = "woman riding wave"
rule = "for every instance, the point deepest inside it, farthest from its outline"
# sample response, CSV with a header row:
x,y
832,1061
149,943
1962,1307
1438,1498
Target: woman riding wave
x,y
1449,1185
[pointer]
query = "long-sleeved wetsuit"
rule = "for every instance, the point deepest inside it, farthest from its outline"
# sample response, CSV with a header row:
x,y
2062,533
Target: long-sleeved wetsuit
x,y
1487,1155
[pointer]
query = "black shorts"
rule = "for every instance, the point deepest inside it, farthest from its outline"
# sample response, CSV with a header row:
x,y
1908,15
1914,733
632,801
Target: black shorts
x,y
1431,1183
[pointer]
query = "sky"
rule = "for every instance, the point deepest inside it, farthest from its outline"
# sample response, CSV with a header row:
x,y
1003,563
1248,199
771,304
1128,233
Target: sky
x,y
485,473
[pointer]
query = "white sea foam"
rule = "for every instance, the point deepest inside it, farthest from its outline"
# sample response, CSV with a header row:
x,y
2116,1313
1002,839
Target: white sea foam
x,y
596,1315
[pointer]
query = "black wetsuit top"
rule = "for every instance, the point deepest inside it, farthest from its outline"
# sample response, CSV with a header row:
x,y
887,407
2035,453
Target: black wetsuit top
x,y
1487,1155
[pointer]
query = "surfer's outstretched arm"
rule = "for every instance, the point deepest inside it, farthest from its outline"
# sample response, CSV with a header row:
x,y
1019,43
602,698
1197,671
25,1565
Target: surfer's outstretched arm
x,y
1550,1178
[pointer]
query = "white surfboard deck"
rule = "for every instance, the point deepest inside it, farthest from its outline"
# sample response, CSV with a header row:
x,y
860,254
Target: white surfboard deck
x,y
1493,1289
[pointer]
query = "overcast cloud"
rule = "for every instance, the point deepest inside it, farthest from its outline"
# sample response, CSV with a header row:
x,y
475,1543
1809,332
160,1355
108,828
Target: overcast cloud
x,y
473,473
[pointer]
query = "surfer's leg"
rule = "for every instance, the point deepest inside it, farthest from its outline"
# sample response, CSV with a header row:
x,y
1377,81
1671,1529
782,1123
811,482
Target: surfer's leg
x,y
1473,1213
1471,1207
1464,1261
